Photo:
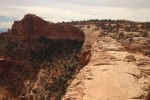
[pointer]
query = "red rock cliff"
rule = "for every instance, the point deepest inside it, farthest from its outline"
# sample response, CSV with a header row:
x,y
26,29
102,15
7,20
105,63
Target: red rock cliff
x,y
32,26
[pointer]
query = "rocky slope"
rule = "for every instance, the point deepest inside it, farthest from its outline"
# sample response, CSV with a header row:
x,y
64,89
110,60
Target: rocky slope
x,y
12,75
117,62
40,59
134,36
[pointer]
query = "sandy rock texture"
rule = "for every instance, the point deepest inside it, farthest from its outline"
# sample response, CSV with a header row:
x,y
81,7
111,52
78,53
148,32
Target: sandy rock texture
x,y
111,74
32,26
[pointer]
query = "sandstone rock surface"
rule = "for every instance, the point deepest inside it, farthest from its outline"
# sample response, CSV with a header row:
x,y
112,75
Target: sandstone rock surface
x,y
110,76
32,26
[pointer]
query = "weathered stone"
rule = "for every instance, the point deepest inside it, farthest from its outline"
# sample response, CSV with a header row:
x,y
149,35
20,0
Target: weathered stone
x,y
32,26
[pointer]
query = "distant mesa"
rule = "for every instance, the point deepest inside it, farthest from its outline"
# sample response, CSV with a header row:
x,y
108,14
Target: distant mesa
x,y
32,26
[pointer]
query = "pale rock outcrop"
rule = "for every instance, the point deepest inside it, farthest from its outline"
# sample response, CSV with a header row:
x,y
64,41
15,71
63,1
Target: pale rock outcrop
x,y
136,43
112,74
91,33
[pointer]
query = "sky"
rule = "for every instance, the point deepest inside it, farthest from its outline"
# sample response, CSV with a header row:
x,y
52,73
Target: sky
x,y
74,10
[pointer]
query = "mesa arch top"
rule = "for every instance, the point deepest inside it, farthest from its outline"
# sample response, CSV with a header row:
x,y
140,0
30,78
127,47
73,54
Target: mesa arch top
x,y
32,26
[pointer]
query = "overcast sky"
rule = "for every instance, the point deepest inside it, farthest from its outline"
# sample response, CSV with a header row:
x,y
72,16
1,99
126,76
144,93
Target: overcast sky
x,y
68,10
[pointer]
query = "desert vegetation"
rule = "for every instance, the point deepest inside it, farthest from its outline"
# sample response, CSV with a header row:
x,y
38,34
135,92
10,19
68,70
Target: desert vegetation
x,y
60,57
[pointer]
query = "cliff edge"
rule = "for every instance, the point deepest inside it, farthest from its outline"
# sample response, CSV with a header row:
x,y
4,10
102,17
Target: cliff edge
x,y
32,26
111,74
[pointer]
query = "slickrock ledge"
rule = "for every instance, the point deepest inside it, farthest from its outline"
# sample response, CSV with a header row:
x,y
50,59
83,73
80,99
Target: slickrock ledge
x,y
112,74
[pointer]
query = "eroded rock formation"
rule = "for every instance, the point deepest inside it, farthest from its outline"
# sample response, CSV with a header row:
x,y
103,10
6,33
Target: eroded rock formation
x,y
112,60
49,50
32,26
111,74
118,67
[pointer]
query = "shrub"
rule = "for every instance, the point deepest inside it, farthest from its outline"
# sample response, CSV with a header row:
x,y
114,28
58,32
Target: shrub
x,y
145,34
147,53
34,91
130,58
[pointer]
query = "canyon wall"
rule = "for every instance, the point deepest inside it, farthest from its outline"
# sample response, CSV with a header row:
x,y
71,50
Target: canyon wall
x,y
39,59
32,26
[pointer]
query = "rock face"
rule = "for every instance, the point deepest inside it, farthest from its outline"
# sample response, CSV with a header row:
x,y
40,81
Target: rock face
x,y
117,68
113,66
32,26
111,74
50,50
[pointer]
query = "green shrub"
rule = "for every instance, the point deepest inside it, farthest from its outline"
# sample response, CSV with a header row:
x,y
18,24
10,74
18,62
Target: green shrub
x,y
145,34
147,53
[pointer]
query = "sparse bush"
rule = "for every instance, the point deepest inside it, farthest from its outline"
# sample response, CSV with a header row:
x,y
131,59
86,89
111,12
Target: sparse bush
x,y
130,58
88,26
147,53
88,46
34,91
72,66
121,35
145,34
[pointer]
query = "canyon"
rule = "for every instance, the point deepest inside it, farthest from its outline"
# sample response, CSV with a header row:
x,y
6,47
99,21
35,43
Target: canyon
x,y
32,26
38,59
78,60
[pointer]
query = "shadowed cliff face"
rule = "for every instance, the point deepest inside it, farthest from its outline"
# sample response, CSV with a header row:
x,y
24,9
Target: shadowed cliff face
x,y
51,55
